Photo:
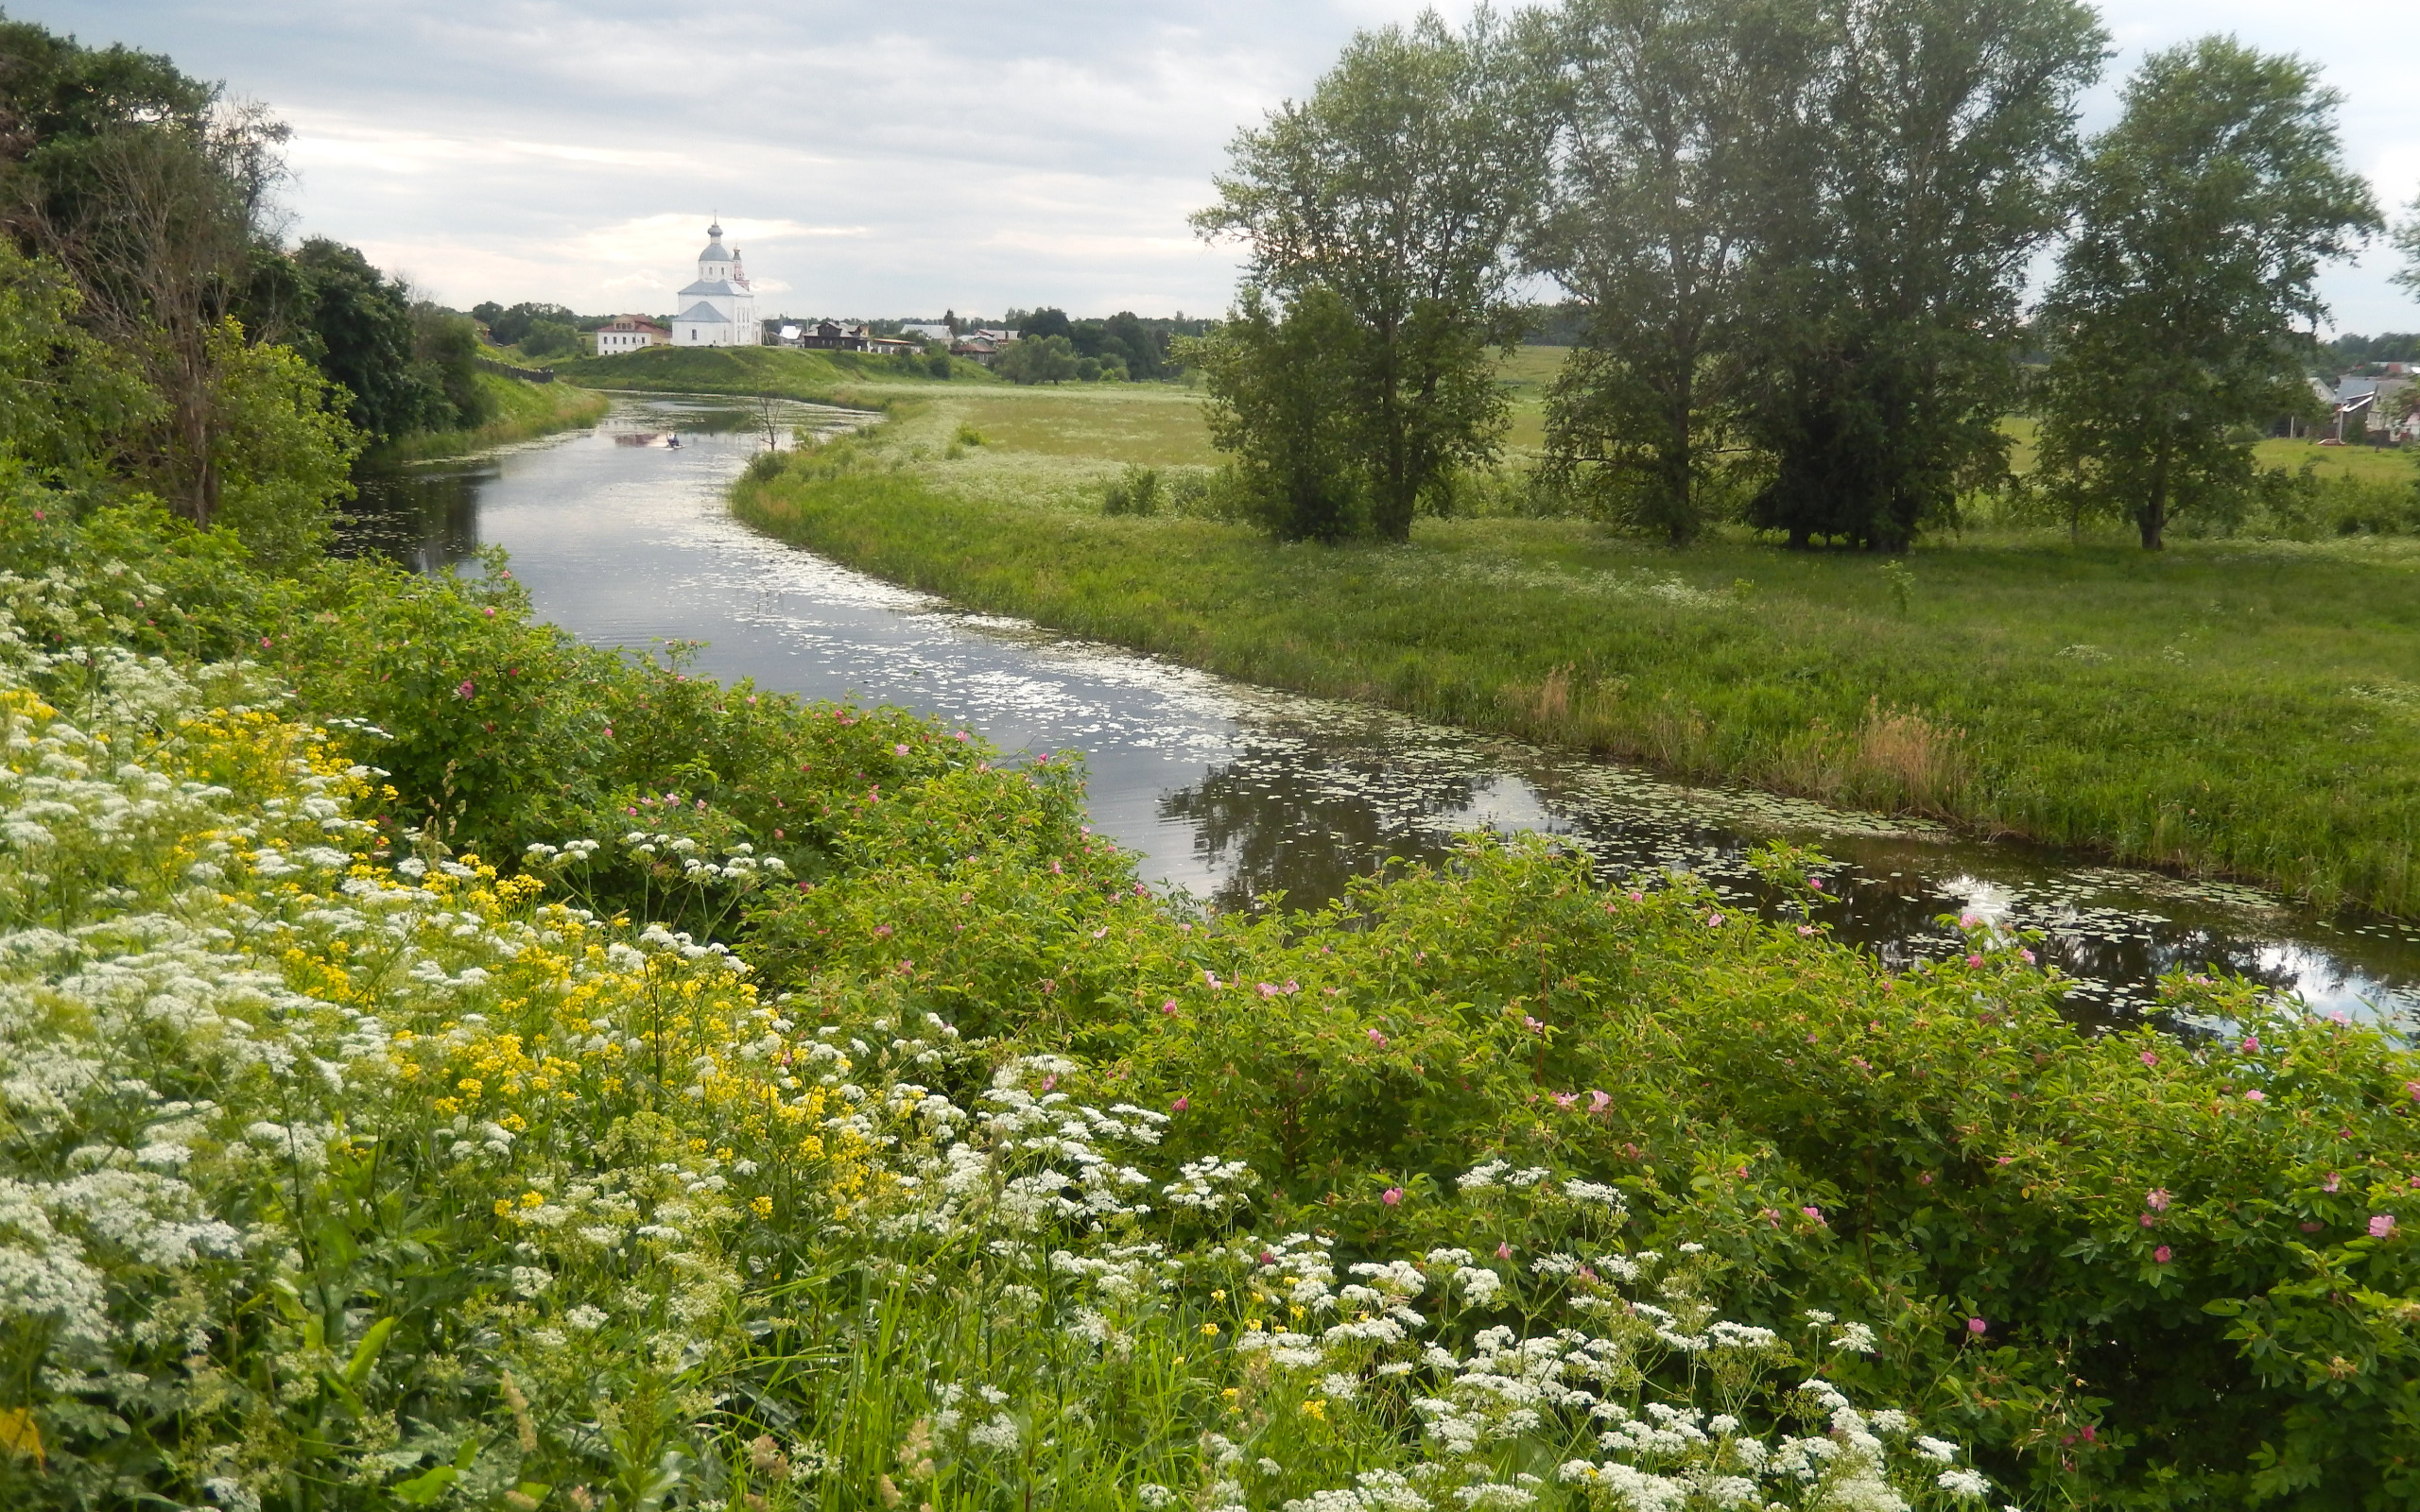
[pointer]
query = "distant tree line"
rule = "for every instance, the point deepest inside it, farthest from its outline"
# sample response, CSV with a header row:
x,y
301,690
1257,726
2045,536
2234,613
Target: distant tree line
x,y
2351,351
142,199
1792,240
539,330
1053,349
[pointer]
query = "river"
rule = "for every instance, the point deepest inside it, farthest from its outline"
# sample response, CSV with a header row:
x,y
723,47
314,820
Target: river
x,y
1238,793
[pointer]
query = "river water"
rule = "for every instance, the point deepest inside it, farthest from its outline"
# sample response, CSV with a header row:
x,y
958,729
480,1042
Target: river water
x,y
1238,793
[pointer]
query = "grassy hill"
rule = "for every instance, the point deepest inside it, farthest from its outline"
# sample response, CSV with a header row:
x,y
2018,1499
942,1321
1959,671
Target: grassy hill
x,y
522,410
839,377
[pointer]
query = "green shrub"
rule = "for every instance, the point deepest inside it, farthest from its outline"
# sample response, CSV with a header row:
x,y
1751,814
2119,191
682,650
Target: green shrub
x,y
1137,492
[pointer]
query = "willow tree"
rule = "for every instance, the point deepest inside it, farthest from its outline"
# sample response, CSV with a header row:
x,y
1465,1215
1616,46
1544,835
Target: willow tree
x,y
2205,216
1887,299
1390,201
1680,124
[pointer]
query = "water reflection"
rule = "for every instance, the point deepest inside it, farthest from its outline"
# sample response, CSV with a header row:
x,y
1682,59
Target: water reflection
x,y
1238,793
425,516
1306,807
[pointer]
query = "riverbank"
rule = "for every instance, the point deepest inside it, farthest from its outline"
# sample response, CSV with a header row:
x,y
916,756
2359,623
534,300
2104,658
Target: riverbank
x,y
523,412
2224,709
860,380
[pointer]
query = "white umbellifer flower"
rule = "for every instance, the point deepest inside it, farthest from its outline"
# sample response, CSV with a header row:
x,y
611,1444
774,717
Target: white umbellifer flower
x,y
1938,1449
1480,1285
1963,1482
999,1432
1855,1337
1596,1192
1152,1494
586,1316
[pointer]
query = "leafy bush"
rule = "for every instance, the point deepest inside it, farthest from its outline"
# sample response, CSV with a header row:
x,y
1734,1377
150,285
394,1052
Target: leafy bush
x,y
1136,493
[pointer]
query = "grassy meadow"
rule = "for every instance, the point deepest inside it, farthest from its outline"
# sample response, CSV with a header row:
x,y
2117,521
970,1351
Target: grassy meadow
x,y
2249,709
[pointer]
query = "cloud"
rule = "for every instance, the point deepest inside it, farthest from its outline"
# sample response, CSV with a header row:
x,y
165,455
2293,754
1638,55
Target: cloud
x,y
890,159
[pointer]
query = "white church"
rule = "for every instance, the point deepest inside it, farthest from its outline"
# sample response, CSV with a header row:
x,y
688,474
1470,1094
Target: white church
x,y
718,310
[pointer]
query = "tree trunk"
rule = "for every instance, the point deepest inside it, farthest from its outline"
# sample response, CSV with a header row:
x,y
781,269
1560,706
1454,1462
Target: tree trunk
x,y
2153,517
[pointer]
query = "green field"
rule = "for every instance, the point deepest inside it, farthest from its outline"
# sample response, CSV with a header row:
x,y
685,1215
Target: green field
x,y
2237,708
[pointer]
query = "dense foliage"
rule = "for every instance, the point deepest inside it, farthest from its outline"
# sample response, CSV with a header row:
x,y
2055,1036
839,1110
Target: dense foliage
x,y
801,1104
1379,219
150,195
2206,214
1792,240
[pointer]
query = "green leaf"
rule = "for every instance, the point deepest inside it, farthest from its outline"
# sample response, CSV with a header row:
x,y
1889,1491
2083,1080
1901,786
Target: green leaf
x,y
365,1354
420,1490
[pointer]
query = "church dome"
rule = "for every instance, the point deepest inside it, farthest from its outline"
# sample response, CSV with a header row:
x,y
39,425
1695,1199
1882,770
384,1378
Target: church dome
x,y
714,252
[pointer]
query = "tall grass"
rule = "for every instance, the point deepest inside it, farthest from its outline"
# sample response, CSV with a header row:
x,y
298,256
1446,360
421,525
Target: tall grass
x,y
2201,710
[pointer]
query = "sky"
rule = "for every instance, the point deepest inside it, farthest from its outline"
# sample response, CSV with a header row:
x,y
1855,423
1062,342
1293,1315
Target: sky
x,y
902,159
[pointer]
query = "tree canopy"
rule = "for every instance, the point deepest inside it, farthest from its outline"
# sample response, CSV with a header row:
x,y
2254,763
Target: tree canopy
x,y
2184,300
1394,193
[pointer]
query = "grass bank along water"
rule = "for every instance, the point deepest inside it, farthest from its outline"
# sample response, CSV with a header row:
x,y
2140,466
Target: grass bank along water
x,y
2237,707
521,411
853,378
647,1093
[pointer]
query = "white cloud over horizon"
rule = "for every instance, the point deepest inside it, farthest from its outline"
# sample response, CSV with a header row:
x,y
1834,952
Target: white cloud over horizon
x,y
895,161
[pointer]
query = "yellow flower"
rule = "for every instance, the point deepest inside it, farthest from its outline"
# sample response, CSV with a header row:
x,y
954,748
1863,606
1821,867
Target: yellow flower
x,y
532,1199
504,1207
1209,1330
1316,1407
764,1207
1217,1297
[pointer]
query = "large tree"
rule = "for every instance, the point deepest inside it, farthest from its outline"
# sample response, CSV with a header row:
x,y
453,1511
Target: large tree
x,y
360,322
153,192
1887,299
2204,217
1679,121
1395,195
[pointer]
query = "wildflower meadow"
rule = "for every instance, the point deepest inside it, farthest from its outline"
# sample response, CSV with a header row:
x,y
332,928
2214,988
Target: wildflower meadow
x,y
444,1067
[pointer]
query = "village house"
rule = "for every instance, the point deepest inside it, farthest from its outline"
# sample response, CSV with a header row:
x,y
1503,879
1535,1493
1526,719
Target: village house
x,y
981,344
629,333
